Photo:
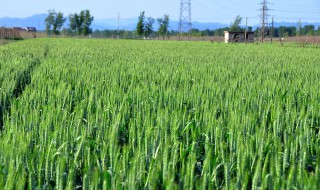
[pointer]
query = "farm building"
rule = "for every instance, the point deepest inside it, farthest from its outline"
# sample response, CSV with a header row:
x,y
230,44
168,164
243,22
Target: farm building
x,y
19,32
31,29
19,29
238,37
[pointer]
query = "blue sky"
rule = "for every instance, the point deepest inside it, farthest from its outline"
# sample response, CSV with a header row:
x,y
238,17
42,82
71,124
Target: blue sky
x,y
222,11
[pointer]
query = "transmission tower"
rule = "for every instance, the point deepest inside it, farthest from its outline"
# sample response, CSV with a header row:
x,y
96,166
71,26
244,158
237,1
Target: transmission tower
x,y
185,24
264,20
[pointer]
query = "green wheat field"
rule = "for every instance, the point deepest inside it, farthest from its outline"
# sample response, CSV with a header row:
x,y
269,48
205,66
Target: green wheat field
x,y
125,114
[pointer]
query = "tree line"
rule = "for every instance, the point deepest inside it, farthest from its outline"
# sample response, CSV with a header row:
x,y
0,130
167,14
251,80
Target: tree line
x,y
145,27
281,31
79,23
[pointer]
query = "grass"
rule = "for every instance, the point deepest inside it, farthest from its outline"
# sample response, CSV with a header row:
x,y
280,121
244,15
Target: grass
x,y
103,114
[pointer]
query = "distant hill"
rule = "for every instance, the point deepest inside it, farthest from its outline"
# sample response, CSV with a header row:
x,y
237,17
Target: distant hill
x,y
35,21
126,24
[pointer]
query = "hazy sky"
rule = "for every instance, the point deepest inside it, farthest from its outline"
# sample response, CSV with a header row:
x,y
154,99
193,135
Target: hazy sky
x,y
223,11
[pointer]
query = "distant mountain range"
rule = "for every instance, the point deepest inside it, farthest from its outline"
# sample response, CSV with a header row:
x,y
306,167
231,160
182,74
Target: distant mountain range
x,y
125,24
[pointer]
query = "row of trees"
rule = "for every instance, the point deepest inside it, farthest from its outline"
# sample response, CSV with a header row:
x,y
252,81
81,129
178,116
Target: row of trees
x,y
281,31
292,31
307,30
79,23
145,26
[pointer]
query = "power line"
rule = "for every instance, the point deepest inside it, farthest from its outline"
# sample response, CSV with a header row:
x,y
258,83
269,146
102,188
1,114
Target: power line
x,y
294,4
297,11
289,8
298,18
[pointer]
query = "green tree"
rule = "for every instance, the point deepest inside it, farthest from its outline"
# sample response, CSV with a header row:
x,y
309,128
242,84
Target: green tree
x,y
308,30
54,22
149,26
49,21
80,23
87,21
59,21
284,31
140,24
163,25
235,26
73,18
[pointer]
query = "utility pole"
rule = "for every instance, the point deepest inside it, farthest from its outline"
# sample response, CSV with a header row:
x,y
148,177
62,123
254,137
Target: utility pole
x,y
264,19
3,32
272,29
185,24
118,25
300,27
245,32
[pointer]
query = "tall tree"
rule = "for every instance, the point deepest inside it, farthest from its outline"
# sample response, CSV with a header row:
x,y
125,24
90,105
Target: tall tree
x,y
163,25
73,18
140,24
49,21
54,22
235,26
58,23
149,26
87,21
80,23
